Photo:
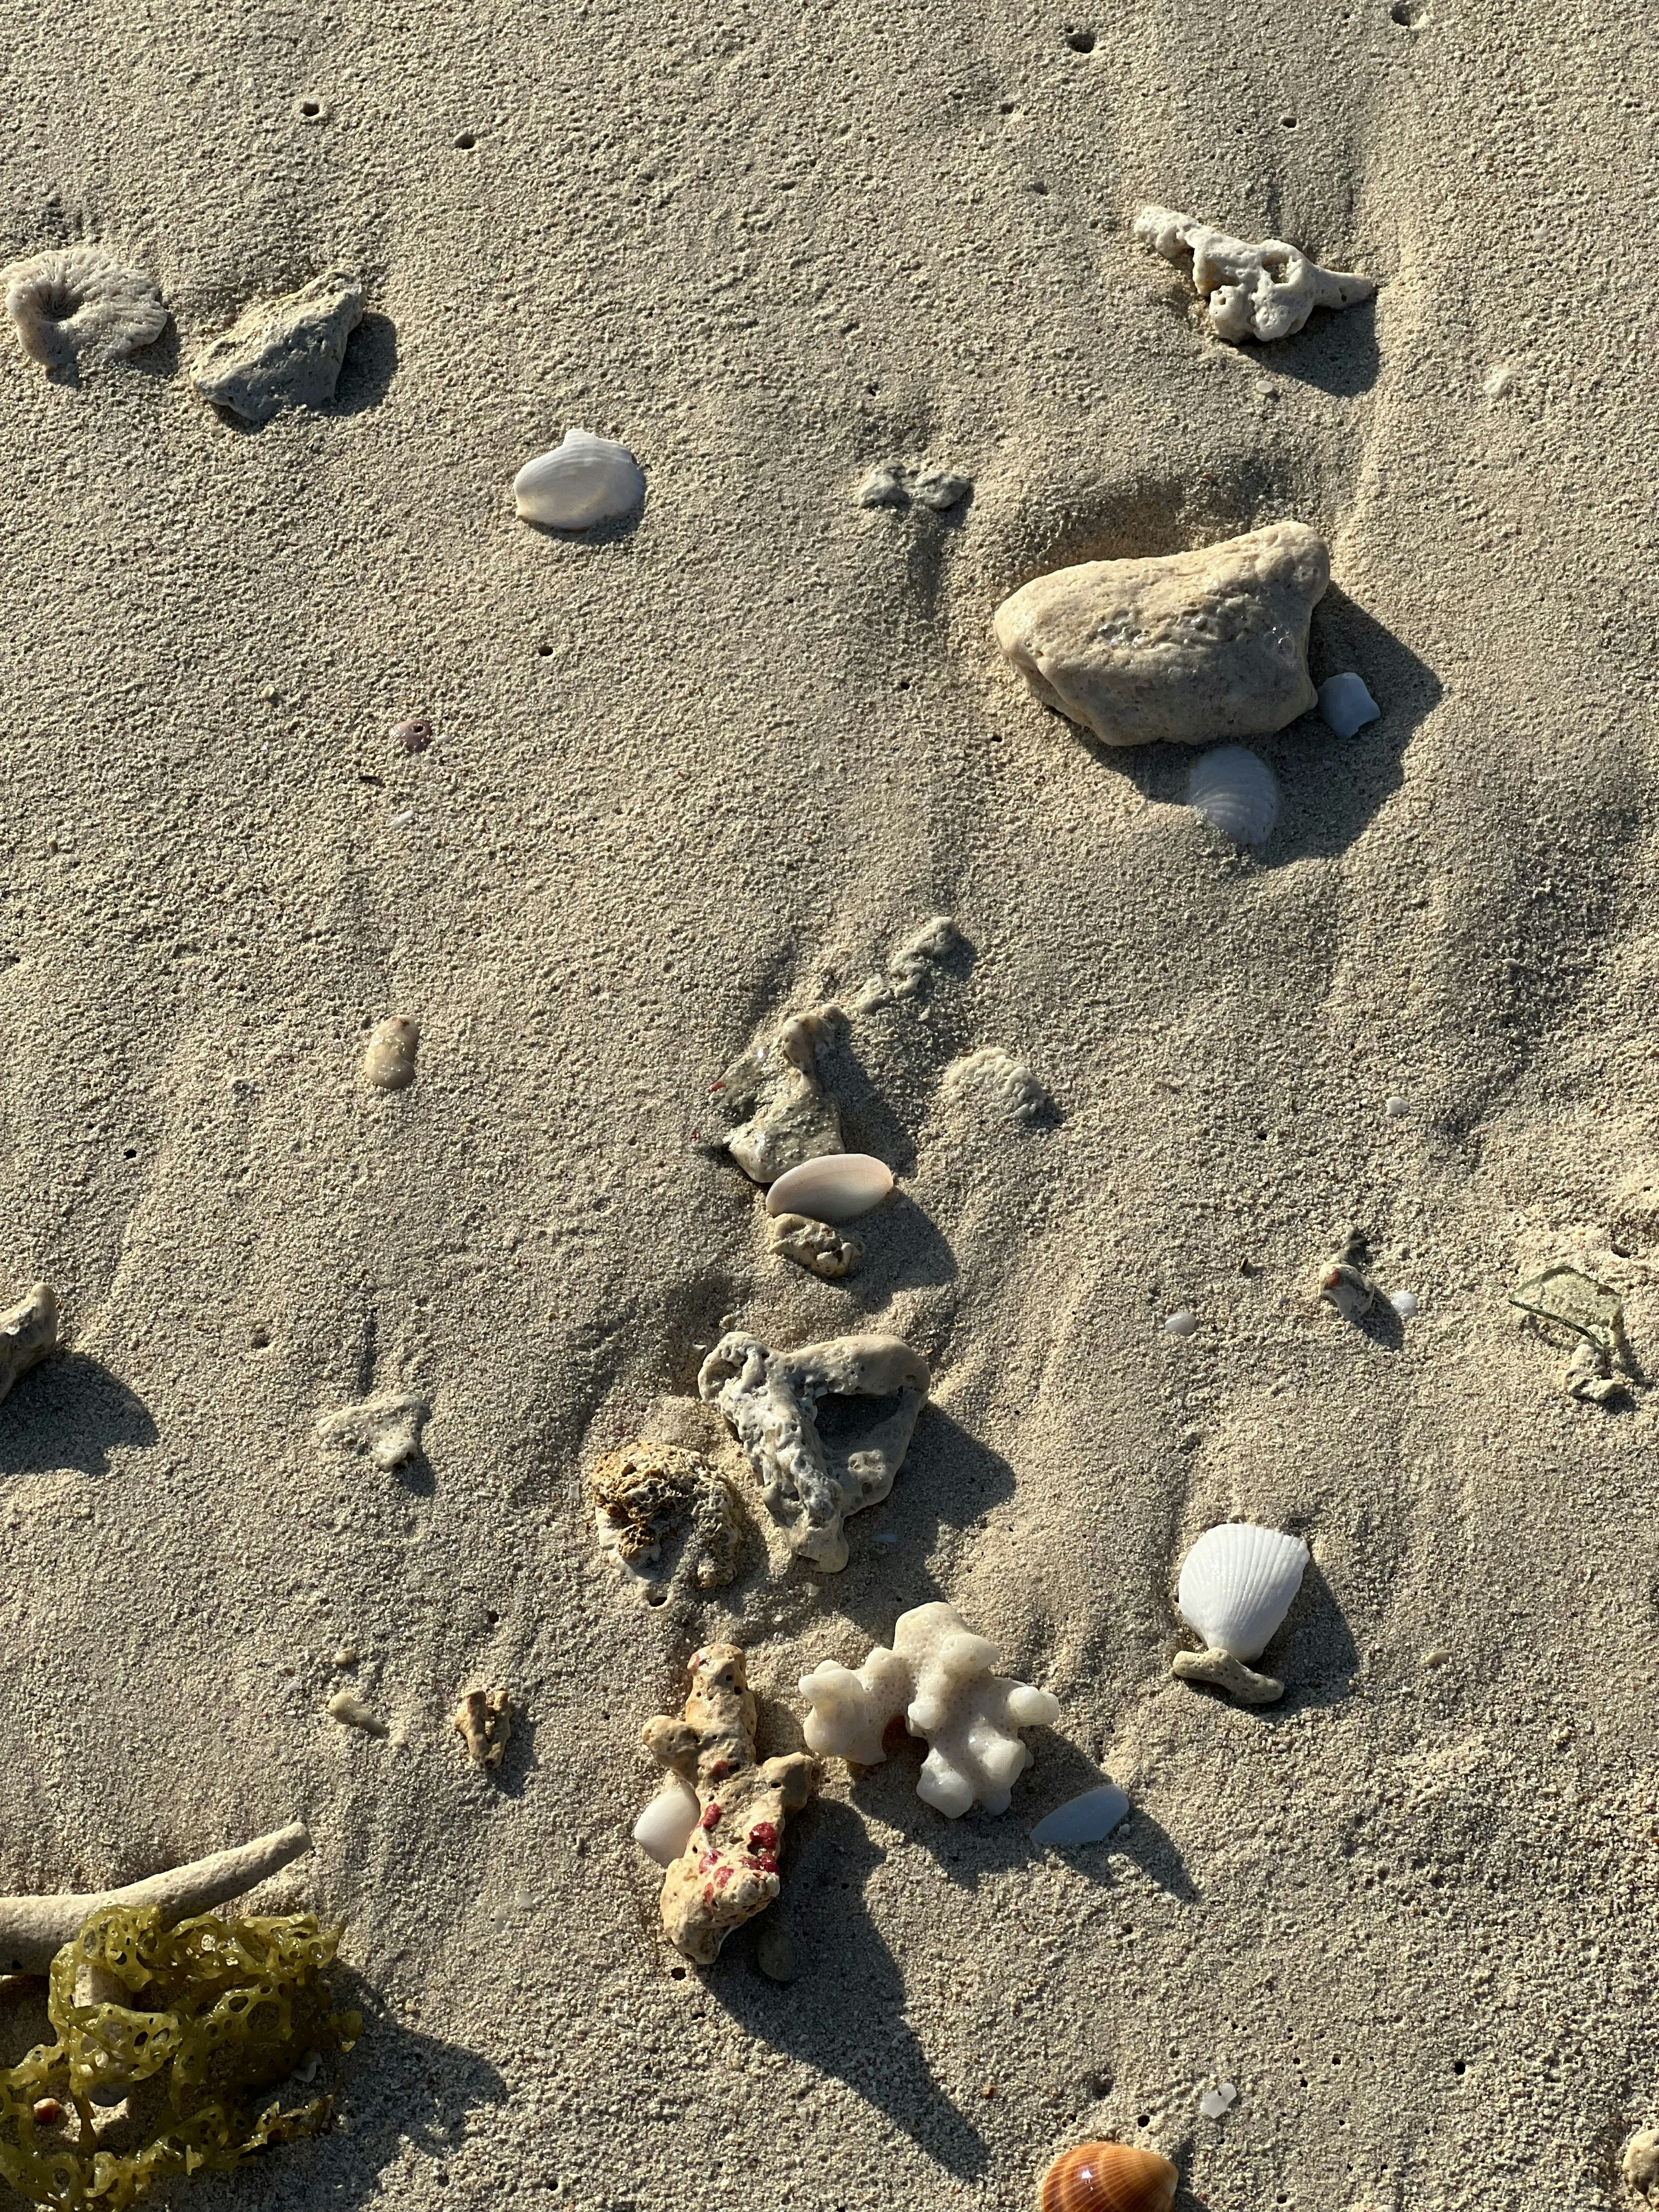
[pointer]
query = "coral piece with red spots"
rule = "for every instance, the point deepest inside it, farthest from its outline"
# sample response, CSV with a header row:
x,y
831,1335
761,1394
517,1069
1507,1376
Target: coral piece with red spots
x,y
728,1871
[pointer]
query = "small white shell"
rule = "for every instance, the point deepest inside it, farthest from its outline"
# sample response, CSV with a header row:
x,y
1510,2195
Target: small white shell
x,y
1235,792
662,1830
835,1187
1397,1109
586,480
1182,1323
1083,1820
1237,1585
1345,705
1404,1302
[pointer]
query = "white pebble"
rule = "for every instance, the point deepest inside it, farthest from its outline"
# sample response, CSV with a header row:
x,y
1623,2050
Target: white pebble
x,y
402,821
1345,704
1214,2102
1397,1109
665,1827
1083,1820
1404,1303
1182,1323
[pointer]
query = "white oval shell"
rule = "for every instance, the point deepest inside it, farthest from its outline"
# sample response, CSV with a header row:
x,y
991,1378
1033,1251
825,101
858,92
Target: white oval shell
x,y
835,1187
665,1827
1182,1323
1083,1820
1237,1585
586,480
1235,792
1345,704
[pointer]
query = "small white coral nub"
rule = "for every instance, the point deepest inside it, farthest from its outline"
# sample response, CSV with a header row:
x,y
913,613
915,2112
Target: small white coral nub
x,y
943,1679
1266,291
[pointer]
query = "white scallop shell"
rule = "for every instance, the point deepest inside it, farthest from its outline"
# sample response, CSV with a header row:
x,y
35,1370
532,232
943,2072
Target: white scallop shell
x,y
663,1829
1237,1584
586,480
1235,792
835,1187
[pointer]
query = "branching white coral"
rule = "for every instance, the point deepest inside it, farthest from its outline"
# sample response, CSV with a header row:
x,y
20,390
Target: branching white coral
x,y
943,1679
1266,291
771,1400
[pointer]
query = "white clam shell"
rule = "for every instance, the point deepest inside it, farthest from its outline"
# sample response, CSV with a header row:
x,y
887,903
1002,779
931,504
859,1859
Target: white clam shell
x,y
1083,1820
663,1829
1236,794
586,481
1237,1584
835,1187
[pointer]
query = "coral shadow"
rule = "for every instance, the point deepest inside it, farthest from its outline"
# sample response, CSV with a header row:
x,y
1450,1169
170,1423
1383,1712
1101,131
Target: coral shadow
x,y
72,1411
844,2016
1335,351
370,364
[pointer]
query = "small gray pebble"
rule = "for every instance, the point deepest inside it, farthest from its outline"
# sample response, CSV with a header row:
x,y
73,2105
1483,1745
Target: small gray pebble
x,y
775,1954
884,487
941,490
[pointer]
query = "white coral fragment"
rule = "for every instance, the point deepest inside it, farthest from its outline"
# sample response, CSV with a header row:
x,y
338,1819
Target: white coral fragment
x,y
29,1331
82,306
771,1400
1266,291
386,1429
791,1117
943,1679
992,1079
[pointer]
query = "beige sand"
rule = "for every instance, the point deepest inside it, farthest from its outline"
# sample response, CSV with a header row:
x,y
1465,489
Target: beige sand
x,y
692,778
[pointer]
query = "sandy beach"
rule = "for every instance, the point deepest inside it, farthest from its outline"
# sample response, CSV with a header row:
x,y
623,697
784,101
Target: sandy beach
x,y
715,765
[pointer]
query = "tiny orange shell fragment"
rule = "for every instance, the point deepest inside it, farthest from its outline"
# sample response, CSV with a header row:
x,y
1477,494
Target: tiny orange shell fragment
x,y
48,2112
1107,2177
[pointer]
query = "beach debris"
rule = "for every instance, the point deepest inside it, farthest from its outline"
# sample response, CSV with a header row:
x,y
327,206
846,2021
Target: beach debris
x,y
1565,1298
775,1952
645,1493
582,482
994,1079
810,1484
1235,792
832,1187
414,735
388,1062
790,1117
663,1829
1590,1379
1183,1322
1396,1109
1189,647
892,484
1404,1303
82,307
1087,1818
483,1720
211,2014
1107,2177
1346,705
349,1710
1237,1584
1640,2164
1264,291
943,1678
281,353
1343,1281
1214,2102
385,1428
29,1331
33,1930
913,964
727,1870
817,1246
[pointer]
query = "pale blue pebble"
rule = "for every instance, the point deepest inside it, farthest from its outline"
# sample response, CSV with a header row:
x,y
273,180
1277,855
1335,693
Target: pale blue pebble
x,y
1083,1820
1345,705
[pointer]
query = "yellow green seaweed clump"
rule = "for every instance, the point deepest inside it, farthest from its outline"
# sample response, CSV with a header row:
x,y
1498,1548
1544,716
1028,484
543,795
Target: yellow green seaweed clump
x,y
182,2029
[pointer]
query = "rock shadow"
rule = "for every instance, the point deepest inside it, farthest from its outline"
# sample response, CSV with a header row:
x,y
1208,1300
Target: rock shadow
x,y
70,1411
904,1250
1332,788
396,2088
845,2013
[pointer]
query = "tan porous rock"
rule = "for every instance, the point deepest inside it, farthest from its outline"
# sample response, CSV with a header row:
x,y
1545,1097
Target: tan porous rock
x,y
1190,647
728,1869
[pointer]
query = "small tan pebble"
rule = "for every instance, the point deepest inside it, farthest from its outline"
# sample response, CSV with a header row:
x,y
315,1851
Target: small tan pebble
x,y
389,1061
349,1708
1438,1657
346,1655
1641,2161
989,2090
774,1953
413,736
822,1249
483,1720
47,2113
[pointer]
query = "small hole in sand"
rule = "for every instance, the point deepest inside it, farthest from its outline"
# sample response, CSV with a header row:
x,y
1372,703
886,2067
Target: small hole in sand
x,y
656,1595
676,1973
1410,15
1081,42
311,107
467,140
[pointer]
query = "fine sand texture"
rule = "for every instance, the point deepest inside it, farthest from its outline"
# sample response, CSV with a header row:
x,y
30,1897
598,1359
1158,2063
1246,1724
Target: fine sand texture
x,y
701,770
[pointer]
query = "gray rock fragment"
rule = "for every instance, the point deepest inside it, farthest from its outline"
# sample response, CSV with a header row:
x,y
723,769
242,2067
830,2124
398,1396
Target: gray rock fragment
x,y
282,353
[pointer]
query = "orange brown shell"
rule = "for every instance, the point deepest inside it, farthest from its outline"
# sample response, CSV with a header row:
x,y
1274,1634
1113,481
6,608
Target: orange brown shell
x,y
1107,2177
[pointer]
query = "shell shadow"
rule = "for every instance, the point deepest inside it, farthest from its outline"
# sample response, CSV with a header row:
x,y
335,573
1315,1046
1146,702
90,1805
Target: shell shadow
x,y
70,1411
601,534
1062,1772
432,2087
1335,352
1332,787
845,2014
1318,1659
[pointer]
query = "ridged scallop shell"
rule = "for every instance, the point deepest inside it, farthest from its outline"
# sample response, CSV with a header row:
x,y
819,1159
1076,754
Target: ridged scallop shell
x,y
1235,792
586,481
1107,2177
1237,1584
834,1187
